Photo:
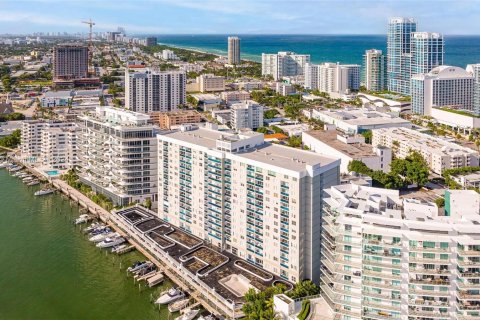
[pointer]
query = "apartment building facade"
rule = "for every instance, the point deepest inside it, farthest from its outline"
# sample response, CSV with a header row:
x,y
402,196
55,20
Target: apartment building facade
x,y
148,90
375,70
233,50
257,200
168,120
284,64
246,115
438,153
332,77
43,142
474,70
388,257
210,83
117,150
70,61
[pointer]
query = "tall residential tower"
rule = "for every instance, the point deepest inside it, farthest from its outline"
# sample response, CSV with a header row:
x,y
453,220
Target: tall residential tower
x,y
375,70
233,50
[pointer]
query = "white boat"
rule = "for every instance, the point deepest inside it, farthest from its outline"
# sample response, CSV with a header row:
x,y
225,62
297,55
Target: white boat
x,y
209,317
28,178
119,247
170,295
33,183
102,236
110,242
189,314
138,265
94,226
82,219
3,165
44,192
15,169
178,305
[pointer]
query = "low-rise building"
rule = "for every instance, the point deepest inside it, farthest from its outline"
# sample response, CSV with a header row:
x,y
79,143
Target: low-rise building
x,y
230,96
357,120
458,119
118,153
52,99
438,153
470,180
222,116
210,83
168,120
347,148
401,258
284,89
246,115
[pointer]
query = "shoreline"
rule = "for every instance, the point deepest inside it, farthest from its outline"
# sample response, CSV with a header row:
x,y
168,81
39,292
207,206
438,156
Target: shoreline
x,y
106,217
200,50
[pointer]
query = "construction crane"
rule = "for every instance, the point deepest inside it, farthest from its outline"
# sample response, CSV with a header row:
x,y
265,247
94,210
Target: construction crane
x,y
90,43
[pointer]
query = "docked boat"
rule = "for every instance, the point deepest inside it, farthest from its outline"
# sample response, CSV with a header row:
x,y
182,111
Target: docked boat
x,y
15,169
178,305
33,183
119,248
99,230
209,317
170,295
93,226
188,314
138,265
110,242
28,178
83,218
102,236
44,192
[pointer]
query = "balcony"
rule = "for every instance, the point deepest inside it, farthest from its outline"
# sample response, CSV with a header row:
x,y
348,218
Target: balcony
x,y
377,305
428,314
431,282
382,274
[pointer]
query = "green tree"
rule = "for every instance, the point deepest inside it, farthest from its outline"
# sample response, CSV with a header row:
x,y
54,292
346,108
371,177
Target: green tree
x,y
417,169
263,130
12,140
368,136
295,141
258,306
304,289
270,114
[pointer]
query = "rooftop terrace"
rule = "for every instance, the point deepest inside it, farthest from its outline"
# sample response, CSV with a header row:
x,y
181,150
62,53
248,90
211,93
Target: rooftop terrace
x,y
227,274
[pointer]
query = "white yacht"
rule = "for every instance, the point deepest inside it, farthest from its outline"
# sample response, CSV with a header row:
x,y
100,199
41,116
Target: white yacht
x,y
138,265
33,183
110,242
102,236
82,219
44,192
188,314
94,226
170,295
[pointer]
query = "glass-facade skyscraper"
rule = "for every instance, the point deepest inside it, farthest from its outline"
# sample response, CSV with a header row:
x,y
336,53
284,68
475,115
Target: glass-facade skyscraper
x,y
399,53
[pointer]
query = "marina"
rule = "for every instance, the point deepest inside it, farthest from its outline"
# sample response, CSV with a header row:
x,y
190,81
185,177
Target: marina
x,y
85,282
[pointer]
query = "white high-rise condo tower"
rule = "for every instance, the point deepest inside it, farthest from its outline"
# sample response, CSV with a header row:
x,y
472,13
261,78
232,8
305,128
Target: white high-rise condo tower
x,y
233,50
284,64
148,90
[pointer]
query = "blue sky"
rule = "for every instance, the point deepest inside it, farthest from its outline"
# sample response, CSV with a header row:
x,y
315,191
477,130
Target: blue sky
x,y
238,16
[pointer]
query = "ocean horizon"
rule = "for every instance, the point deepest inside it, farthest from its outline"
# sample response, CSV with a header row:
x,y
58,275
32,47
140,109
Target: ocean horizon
x,y
460,50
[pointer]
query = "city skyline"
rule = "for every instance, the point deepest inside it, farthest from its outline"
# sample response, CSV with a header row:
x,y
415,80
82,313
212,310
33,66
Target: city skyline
x,y
246,17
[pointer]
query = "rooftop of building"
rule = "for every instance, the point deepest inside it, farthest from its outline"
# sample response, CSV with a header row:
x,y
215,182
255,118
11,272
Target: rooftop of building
x,y
424,141
362,116
266,153
212,267
445,72
353,150
118,117
388,207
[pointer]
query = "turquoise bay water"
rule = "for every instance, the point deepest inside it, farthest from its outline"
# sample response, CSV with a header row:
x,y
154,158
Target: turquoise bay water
x,y
459,50
49,270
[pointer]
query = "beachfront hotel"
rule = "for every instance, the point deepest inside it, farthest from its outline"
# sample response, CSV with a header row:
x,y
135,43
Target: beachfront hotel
x,y
389,257
148,90
259,201
444,86
438,153
117,150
